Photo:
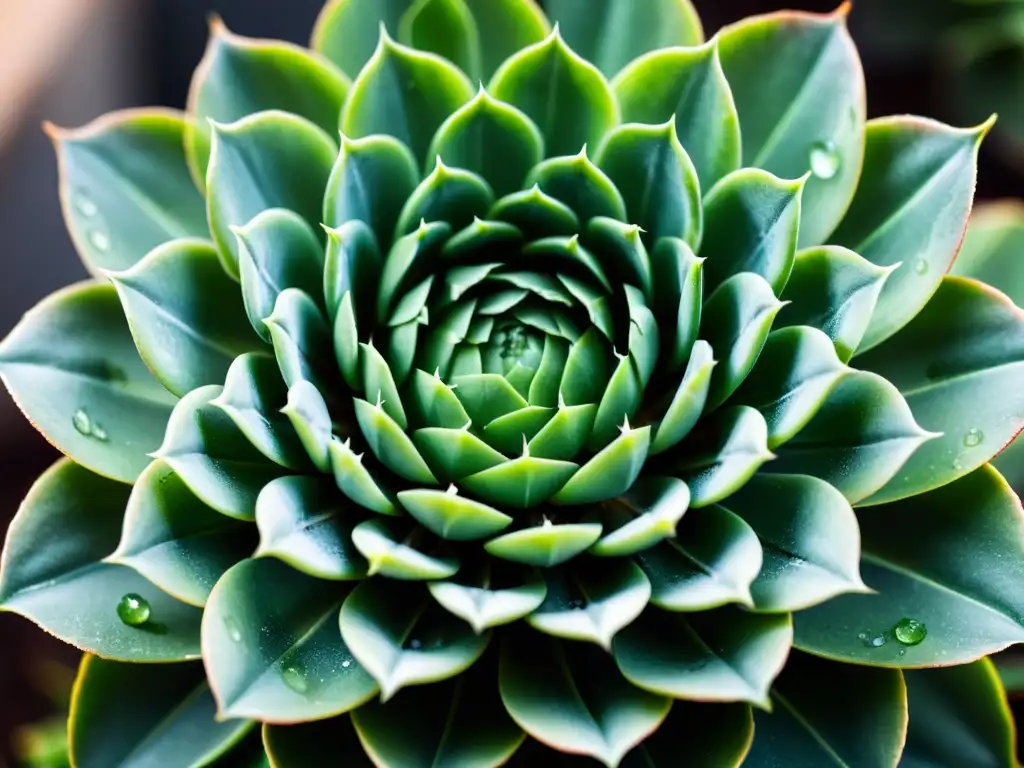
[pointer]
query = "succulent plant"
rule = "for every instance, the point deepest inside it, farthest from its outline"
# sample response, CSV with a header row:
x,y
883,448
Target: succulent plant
x,y
599,392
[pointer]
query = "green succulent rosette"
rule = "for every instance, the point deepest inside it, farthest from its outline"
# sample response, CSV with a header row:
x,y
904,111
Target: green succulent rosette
x,y
597,393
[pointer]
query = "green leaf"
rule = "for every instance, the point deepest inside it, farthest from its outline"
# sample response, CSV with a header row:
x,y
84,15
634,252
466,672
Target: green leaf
x,y
592,602
455,453
276,250
185,314
950,559
723,454
492,139
404,93
266,160
751,221
378,382
809,537
959,365
61,583
792,377
565,95
404,638
656,178
390,444
958,715
799,90
536,214
452,517
272,649
240,76
678,296
139,714
357,482
911,209
858,440
586,370
212,456
435,403
483,604
564,435
309,417
353,264
712,561
723,731
520,483
611,34
721,655
575,702
688,402
991,250
125,188
370,182
176,541
302,342
444,27
391,548
834,290
458,722
611,472
346,31
254,396
688,84
413,258
451,195
644,515
505,27
297,746
581,185
307,524
806,727
72,367
735,321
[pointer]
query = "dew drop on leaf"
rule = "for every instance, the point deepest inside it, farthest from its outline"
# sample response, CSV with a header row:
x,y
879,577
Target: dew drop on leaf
x,y
84,205
295,678
133,610
233,631
824,159
346,663
85,426
878,641
921,267
910,631
99,239
973,438
415,644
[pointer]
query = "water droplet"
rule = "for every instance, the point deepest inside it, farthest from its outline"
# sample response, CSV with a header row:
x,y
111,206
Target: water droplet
x,y
85,205
100,240
84,425
824,159
902,653
862,636
133,610
957,464
973,438
415,644
910,631
878,641
295,678
233,631
921,267
346,663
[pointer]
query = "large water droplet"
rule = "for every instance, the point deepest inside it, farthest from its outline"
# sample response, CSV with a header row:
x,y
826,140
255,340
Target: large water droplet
x,y
84,425
973,438
295,678
921,267
100,240
85,205
133,610
824,159
910,631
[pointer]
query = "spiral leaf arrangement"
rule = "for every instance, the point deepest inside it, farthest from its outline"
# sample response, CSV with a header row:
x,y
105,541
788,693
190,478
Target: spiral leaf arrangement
x,y
528,417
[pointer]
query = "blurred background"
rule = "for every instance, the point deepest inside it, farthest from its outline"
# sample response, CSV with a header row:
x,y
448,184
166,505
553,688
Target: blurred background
x,y
69,61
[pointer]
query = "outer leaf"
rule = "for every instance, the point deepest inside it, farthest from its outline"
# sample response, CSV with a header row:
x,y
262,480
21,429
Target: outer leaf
x,y
135,715
296,746
723,655
611,34
72,367
305,522
346,31
124,186
657,180
308,414
272,650
809,727
484,605
950,559
992,249
42,574
267,160
175,540
403,638
240,76
911,208
404,93
302,342
722,731
858,440
185,314
505,27
564,95
809,537
459,722
357,482
959,716
646,514
834,290
492,139
211,455
687,83
799,91
959,365
392,551
444,27
751,223
575,702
